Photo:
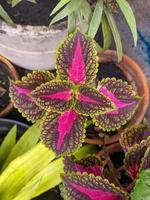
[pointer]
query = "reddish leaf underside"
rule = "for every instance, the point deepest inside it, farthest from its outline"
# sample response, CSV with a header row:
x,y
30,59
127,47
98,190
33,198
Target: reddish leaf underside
x,y
133,158
64,133
83,186
20,93
125,100
77,59
54,96
90,165
134,135
89,101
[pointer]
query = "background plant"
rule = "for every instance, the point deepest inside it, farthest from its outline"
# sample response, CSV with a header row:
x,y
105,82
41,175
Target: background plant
x,y
5,16
96,13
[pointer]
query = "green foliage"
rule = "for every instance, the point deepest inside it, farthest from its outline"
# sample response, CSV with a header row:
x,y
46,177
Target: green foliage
x,y
141,190
94,13
6,17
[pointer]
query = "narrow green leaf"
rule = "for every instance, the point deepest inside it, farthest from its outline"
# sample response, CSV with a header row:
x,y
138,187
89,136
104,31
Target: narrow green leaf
x,y
6,17
7,145
86,10
70,8
49,176
26,142
21,170
71,23
32,1
59,6
115,33
129,16
106,33
16,2
96,19
86,150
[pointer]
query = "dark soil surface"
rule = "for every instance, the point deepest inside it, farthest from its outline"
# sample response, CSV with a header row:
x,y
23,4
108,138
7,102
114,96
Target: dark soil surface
x,y
4,86
110,70
27,13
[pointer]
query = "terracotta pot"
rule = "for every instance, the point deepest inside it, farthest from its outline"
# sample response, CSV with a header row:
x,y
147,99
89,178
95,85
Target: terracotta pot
x,y
12,73
135,76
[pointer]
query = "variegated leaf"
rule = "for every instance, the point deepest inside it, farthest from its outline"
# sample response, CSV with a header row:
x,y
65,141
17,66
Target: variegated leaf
x,y
134,135
90,101
125,100
54,96
63,133
133,158
77,59
89,187
20,93
146,160
89,164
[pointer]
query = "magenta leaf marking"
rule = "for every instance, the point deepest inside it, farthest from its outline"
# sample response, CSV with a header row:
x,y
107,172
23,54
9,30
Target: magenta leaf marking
x,y
77,69
63,133
86,99
96,194
96,170
54,96
65,95
88,186
90,164
20,93
133,170
24,91
65,124
91,102
77,59
119,104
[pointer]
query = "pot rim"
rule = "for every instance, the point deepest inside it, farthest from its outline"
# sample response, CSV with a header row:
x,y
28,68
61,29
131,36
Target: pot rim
x,y
31,31
127,65
14,74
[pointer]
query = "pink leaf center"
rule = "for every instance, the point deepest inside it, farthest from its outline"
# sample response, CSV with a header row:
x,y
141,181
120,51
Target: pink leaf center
x,y
77,68
96,170
133,170
65,95
83,98
65,123
119,104
23,90
94,194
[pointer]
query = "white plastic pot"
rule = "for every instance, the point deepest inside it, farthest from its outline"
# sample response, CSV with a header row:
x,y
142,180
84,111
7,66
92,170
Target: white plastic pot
x,y
30,47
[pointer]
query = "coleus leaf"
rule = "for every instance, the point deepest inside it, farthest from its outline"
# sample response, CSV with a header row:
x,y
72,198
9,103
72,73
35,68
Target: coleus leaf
x,y
77,59
63,133
90,164
133,158
125,99
54,95
134,135
146,160
79,186
20,93
89,101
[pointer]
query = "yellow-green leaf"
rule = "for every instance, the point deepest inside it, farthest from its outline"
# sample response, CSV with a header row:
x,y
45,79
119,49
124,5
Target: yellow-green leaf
x,y
21,170
106,33
59,6
6,17
26,142
7,145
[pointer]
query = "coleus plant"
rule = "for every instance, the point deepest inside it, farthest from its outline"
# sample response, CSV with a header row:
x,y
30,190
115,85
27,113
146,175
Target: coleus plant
x,y
66,101
87,178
